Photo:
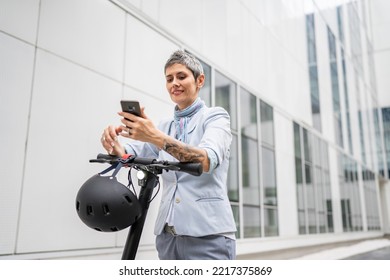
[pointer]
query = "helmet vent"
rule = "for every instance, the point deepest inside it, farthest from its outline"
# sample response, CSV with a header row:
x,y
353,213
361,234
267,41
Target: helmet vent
x,y
128,199
78,206
106,210
90,210
98,229
114,229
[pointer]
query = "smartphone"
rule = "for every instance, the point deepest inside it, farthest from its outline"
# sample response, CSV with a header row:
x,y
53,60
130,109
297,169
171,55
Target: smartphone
x,y
131,107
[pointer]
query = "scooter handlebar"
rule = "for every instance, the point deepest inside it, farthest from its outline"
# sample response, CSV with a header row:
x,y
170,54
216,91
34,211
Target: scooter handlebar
x,y
191,168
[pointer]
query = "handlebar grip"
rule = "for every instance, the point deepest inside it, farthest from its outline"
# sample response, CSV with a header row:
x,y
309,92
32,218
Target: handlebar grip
x,y
195,169
106,157
103,158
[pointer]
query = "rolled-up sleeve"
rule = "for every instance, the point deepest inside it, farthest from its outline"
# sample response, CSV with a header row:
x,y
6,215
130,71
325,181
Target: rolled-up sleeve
x,y
213,159
217,136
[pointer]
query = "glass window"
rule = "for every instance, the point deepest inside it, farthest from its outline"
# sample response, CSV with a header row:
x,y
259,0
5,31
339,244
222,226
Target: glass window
x,y
268,171
205,92
335,88
346,101
250,171
298,171
248,114
306,146
313,72
349,192
236,214
271,222
386,136
310,36
226,97
315,213
297,141
257,197
269,176
340,23
249,149
371,200
252,222
267,124
302,222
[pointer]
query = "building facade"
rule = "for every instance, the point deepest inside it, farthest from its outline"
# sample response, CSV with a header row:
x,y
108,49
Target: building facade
x,y
304,82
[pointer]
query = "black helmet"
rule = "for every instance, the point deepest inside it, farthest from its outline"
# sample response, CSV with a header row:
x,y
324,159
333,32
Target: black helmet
x,y
104,204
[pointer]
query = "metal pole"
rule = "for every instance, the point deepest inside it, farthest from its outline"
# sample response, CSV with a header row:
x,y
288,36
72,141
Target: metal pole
x,y
133,238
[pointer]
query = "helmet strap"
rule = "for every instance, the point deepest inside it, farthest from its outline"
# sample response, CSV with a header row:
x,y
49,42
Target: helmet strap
x,y
117,167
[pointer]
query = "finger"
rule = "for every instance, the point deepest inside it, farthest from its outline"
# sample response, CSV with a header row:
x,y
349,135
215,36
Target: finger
x,y
106,145
126,132
128,116
109,139
143,113
127,124
112,133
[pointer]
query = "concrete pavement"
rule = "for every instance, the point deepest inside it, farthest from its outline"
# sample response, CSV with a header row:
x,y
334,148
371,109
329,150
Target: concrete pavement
x,y
376,249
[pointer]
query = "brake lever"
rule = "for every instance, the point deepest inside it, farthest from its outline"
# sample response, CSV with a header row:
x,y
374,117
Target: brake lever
x,y
165,167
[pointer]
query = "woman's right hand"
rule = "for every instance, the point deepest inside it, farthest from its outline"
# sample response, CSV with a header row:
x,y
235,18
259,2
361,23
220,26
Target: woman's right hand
x,y
110,141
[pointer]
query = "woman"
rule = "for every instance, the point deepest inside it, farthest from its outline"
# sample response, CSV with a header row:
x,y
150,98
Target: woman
x,y
195,220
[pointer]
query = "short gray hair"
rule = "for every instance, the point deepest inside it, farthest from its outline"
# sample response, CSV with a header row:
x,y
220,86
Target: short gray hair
x,y
186,59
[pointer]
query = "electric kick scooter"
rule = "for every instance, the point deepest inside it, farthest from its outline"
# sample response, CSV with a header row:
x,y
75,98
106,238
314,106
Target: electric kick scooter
x,y
147,174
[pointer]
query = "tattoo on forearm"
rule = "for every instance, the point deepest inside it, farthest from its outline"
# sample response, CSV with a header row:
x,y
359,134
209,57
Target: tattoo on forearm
x,y
183,152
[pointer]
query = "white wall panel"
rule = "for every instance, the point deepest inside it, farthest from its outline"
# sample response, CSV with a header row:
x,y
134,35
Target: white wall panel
x,y
274,60
271,12
245,48
295,40
382,63
146,54
251,57
380,11
256,7
71,106
257,59
186,23
381,40
296,96
89,32
135,3
20,18
215,32
151,8
285,172
286,81
235,47
16,71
